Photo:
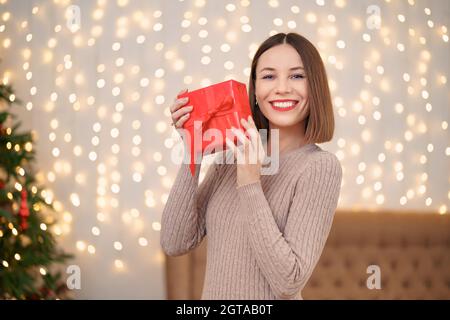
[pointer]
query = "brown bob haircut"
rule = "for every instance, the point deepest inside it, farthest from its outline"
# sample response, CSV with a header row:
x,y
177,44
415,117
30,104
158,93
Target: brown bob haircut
x,y
319,126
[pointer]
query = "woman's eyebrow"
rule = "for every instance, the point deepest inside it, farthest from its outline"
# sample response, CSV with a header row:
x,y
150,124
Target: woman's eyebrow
x,y
273,69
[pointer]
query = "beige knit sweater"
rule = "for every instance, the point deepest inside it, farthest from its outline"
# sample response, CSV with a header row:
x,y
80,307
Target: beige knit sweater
x,y
264,238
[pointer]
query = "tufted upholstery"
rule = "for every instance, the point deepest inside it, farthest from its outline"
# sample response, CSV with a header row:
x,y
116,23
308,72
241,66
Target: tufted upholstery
x,y
412,250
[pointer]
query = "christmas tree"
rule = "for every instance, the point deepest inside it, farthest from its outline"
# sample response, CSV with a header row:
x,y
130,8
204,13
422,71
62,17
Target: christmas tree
x,y
29,257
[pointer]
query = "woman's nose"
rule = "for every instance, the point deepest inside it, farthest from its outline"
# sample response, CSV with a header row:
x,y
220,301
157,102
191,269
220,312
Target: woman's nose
x,y
283,86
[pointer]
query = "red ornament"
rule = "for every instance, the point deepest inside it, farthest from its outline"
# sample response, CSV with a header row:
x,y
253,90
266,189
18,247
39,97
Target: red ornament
x,y
24,212
24,225
2,184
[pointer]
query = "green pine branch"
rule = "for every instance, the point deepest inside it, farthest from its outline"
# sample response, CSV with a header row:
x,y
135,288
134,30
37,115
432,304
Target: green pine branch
x,y
25,251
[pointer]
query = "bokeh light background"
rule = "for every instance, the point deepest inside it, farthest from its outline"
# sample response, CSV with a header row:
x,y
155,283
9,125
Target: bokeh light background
x,y
97,93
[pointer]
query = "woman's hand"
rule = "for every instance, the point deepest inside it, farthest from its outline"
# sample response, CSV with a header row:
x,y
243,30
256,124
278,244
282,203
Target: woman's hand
x,y
179,113
250,154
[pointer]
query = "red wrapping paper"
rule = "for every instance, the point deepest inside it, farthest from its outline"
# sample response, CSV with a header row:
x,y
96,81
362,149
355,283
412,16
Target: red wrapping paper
x,y
219,106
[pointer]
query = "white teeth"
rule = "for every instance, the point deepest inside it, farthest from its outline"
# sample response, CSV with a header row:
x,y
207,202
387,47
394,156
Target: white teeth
x,y
283,104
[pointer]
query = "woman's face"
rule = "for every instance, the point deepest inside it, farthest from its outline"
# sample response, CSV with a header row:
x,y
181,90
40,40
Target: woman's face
x,y
281,87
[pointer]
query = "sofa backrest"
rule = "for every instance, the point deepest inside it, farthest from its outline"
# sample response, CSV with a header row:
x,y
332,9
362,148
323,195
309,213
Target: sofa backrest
x,y
410,249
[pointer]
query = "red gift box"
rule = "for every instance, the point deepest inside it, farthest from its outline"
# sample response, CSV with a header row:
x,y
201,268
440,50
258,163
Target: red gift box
x,y
219,107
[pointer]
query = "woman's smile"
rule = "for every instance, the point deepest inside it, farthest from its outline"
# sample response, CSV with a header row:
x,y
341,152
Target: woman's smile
x,y
283,105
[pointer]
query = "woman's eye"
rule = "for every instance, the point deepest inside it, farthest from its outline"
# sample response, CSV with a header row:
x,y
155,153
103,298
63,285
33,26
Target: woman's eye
x,y
296,76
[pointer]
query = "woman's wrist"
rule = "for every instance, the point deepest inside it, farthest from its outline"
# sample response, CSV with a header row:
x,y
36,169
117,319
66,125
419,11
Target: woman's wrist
x,y
245,183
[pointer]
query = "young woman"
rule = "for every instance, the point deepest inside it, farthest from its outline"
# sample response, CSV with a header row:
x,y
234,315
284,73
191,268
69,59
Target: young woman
x,y
265,232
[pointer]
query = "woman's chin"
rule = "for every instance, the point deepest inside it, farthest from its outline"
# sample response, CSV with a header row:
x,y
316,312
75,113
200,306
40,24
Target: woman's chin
x,y
282,122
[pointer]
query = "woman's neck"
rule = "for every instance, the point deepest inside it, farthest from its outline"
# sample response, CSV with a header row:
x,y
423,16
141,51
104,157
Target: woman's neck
x,y
290,138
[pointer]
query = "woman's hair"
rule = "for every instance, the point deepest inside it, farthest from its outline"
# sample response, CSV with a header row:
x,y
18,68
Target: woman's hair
x,y
319,126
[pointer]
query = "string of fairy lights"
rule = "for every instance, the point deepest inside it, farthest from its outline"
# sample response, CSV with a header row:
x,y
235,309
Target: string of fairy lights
x,y
106,91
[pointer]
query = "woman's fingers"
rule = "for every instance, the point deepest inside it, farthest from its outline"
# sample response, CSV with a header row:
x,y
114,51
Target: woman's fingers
x,y
230,145
240,135
252,132
178,103
180,121
256,138
253,148
181,112
248,154
233,148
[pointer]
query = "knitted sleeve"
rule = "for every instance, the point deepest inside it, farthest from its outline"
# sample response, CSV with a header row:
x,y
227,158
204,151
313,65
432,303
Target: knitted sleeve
x,y
183,217
288,258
